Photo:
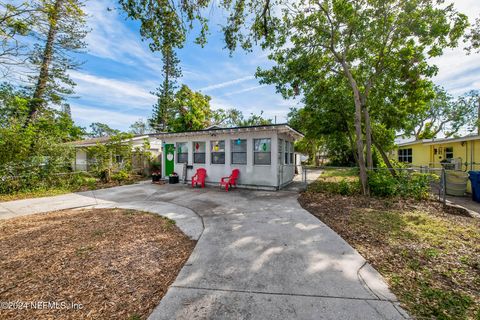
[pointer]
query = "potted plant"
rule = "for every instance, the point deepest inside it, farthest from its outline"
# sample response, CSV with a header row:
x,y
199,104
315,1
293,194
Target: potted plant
x,y
156,175
173,178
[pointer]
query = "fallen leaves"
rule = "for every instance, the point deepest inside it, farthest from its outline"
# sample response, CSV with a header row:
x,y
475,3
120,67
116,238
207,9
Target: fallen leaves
x,y
115,263
429,257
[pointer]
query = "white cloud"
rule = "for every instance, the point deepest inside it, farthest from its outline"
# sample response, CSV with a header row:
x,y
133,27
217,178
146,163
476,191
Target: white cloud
x,y
245,90
227,83
113,92
110,38
458,71
86,115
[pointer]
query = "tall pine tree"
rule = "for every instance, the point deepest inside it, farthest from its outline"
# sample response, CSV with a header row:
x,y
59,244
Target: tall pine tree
x,y
163,110
60,32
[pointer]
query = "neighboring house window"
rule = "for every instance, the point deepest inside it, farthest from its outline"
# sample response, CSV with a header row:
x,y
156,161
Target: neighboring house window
x,y
182,152
262,151
287,147
118,159
449,153
239,151
218,152
405,155
291,152
199,152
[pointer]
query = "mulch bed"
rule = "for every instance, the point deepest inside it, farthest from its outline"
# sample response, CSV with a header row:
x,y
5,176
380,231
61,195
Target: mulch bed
x,y
429,256
95,264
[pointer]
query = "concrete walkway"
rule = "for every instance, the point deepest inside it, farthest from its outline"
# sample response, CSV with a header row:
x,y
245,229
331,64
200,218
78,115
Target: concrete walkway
x,y
127,197
260,256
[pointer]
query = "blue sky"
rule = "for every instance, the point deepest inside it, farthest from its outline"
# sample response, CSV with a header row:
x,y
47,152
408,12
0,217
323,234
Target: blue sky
x,y
119,72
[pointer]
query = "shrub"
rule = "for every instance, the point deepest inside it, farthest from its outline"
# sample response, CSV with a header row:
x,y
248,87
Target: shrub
x,y
382,183
343,187
120,176
406,184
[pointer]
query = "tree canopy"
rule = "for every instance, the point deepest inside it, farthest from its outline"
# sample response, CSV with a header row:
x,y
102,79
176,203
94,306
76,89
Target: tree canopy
x,y
379,48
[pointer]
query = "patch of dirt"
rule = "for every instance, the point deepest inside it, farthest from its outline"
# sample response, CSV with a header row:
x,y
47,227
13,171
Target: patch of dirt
x,y
429,257
114,263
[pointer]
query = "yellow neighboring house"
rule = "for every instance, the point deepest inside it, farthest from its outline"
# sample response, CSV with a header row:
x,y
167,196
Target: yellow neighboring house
x,y
458,153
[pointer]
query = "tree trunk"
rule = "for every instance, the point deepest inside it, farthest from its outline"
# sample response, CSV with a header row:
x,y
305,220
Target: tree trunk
x,y
352,145
385,158
39,93
368,138
358,128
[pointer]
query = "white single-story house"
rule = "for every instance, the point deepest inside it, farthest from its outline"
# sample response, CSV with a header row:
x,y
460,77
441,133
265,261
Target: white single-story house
x,y
264,154
81,149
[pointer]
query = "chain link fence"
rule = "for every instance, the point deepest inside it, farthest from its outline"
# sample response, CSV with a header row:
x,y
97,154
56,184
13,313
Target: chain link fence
x,y
436,177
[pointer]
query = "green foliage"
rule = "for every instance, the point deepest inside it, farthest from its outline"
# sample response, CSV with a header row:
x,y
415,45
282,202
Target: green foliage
x,y
235,118
191,111
164,109
41,180
111,156
444,114
34,156
337,181
98,129
474,37
139,127
406,184
376,54
382,184
58,35
16,21
121,176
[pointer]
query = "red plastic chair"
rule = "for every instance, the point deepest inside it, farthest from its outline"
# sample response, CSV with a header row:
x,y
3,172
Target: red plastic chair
x,y
199,177
231,180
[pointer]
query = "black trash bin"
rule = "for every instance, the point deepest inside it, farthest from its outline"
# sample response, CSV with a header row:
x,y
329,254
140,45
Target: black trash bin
x,y
173,179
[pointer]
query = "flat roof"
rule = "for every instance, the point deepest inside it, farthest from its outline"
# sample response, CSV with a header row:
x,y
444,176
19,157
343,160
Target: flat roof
x,y
284,127
95,141
429,142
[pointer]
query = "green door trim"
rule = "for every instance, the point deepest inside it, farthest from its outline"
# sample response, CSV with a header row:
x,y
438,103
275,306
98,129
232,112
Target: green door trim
x,y
169,159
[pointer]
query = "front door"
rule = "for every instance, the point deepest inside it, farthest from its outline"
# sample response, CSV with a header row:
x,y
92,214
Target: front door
x,y
169,159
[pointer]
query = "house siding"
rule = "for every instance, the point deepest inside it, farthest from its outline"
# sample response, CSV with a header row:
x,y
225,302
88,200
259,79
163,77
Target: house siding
x,y
250,174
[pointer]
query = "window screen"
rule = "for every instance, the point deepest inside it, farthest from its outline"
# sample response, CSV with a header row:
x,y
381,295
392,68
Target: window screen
x,y
218,151
182,152
239,151
262,151
199,152
280,151
287,148
291,153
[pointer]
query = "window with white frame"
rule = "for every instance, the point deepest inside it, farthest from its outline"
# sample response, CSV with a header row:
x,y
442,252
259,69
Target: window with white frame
x,y
239,151
405,155
182,152
199,152
262,151
218,152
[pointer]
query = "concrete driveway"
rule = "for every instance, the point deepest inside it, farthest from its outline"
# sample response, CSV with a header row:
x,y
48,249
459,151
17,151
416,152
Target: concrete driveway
x,y
259,255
